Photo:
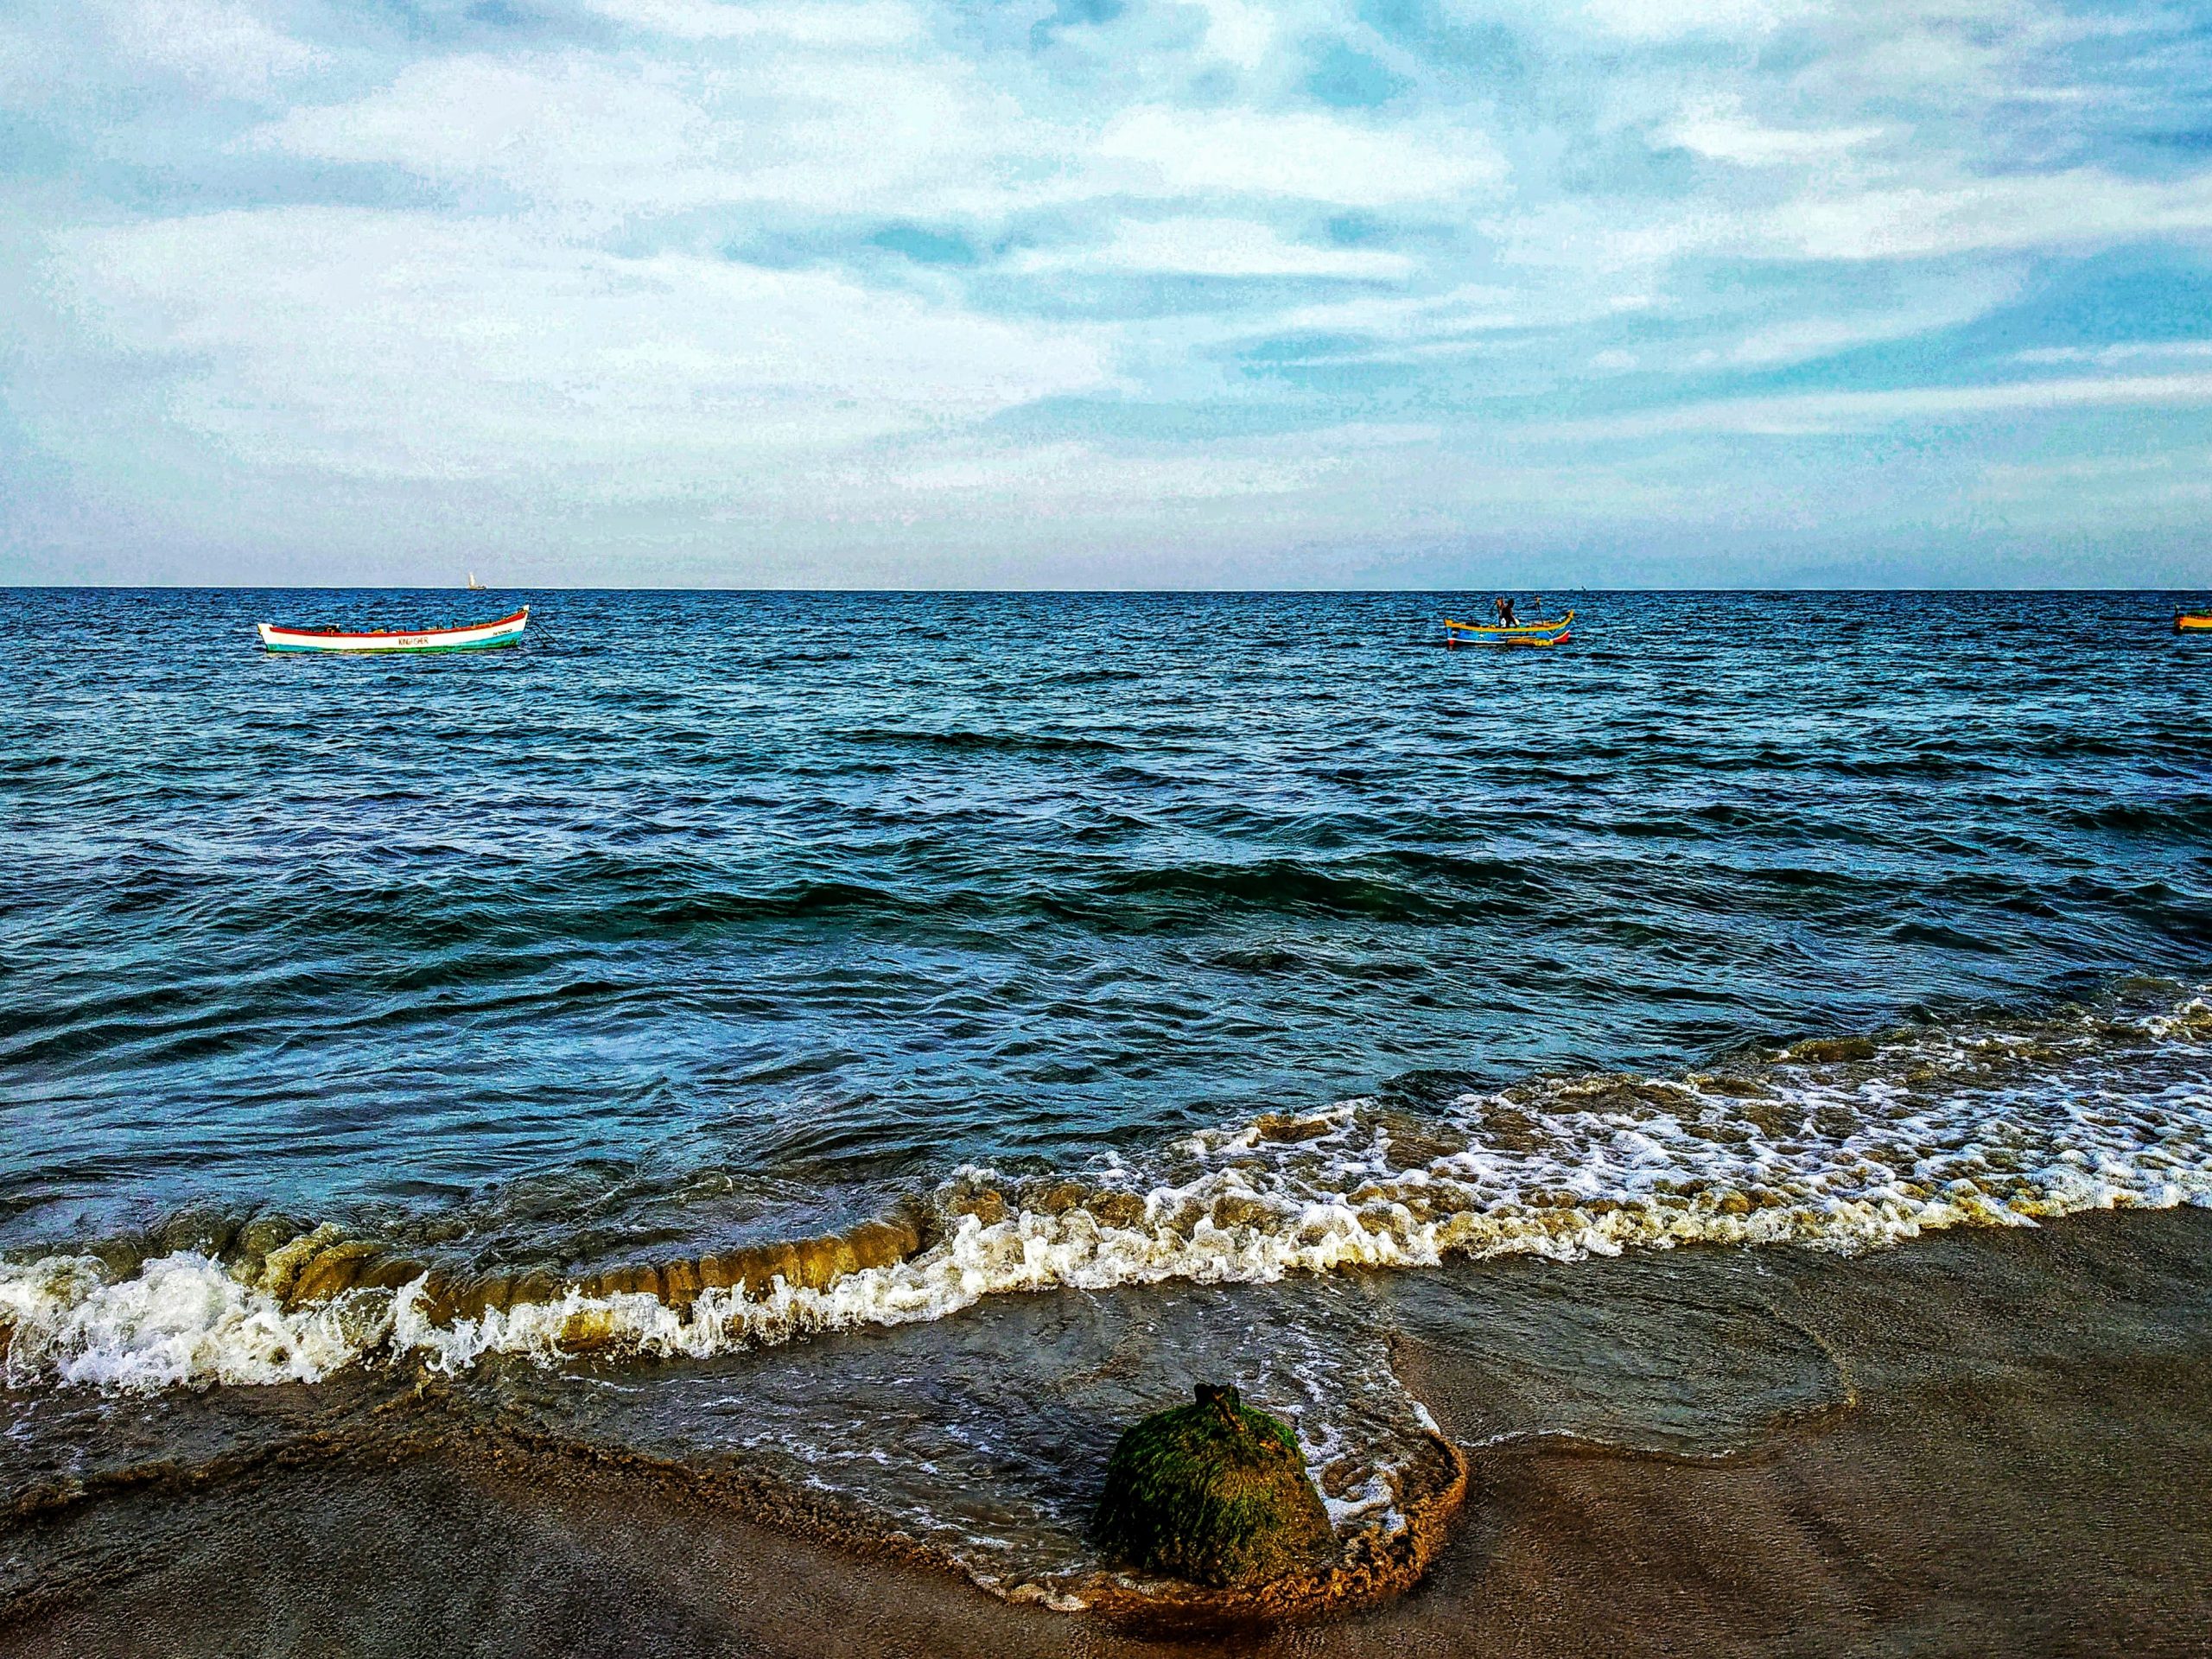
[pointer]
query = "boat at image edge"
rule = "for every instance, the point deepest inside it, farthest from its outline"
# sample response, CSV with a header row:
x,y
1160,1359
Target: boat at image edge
x,y
2193,621
468,636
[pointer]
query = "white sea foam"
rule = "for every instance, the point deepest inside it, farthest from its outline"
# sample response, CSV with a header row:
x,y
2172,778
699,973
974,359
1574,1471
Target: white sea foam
x,y
1990,1126
181,1321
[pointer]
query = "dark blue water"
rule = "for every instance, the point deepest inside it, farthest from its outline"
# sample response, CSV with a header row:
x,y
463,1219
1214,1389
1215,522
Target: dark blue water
x,y
778,900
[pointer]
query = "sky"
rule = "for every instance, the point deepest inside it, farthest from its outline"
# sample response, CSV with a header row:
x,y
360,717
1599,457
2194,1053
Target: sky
x,y
1106,293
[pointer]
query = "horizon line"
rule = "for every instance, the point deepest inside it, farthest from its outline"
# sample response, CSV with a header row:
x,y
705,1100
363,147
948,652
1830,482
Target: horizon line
x,y
1049,592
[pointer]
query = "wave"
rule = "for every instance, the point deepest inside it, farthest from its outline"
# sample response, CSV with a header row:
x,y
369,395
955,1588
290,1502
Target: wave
x,y
1043,743
1839,1144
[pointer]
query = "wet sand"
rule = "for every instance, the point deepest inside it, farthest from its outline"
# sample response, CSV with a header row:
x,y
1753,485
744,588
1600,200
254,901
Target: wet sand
x,y
1978,1441
2027,1469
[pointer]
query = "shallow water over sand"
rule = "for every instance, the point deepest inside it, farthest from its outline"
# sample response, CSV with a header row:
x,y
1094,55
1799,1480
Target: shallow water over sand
x,y
1976,1439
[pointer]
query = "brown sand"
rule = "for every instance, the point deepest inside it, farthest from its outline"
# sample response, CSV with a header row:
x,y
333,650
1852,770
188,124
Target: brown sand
x,y
2027,1469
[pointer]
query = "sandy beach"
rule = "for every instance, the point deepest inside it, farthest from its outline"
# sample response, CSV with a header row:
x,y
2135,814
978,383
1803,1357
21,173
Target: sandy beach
x,y
1978,1441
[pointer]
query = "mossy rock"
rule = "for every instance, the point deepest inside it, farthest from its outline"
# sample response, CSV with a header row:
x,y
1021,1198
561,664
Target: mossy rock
x,y
1215,1493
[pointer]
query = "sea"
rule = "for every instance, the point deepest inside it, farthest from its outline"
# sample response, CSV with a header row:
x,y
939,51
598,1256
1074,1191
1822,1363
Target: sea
x,y
796,1037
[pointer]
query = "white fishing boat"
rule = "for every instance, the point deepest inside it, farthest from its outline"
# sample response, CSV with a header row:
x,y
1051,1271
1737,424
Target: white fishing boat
x,y
468,636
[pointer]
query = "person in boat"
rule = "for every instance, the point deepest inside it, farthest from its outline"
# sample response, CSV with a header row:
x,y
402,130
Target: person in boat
x,y
1505,617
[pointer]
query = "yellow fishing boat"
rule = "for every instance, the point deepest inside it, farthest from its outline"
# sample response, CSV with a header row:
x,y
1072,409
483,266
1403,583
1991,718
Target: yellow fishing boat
x,y
1552,633
2192,622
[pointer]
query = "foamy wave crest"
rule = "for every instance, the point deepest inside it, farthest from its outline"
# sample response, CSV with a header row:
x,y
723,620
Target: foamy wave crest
x,y
181,1321
1028,1250
1839,1145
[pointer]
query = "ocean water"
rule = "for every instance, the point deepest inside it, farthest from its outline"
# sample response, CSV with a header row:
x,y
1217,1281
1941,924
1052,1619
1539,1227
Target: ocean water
x,y
620,1024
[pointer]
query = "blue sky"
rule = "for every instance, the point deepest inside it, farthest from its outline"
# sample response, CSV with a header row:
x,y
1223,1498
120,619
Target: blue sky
x,y
1106,292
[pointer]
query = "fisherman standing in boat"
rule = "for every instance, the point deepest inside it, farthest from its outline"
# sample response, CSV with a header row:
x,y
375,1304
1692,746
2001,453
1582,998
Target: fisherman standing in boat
x,y
1505,617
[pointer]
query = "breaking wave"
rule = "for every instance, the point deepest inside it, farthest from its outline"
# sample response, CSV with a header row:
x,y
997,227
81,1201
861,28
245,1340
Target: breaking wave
x,y
1840,1145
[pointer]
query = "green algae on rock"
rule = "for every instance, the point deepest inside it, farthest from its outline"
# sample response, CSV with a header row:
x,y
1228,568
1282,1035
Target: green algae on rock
x,y
1214,1493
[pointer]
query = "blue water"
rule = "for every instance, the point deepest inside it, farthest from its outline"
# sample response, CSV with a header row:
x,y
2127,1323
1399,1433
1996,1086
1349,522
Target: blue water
x,y
776,901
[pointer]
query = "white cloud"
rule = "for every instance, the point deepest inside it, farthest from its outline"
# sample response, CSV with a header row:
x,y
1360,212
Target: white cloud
x,y
836,132
1216,247
1947,217
1473,318
1715,128
1309,157
890,132
219,45
2112,356
1946,151
1801,338
404,345
1828,412
562,129
1075,477
1659,20
1923,309
2078,207
1473,308
1066,473
855,23
2135,489
1237,30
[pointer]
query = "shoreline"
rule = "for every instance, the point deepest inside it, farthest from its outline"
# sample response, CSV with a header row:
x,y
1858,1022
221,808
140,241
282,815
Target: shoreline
x,y
2012,1454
